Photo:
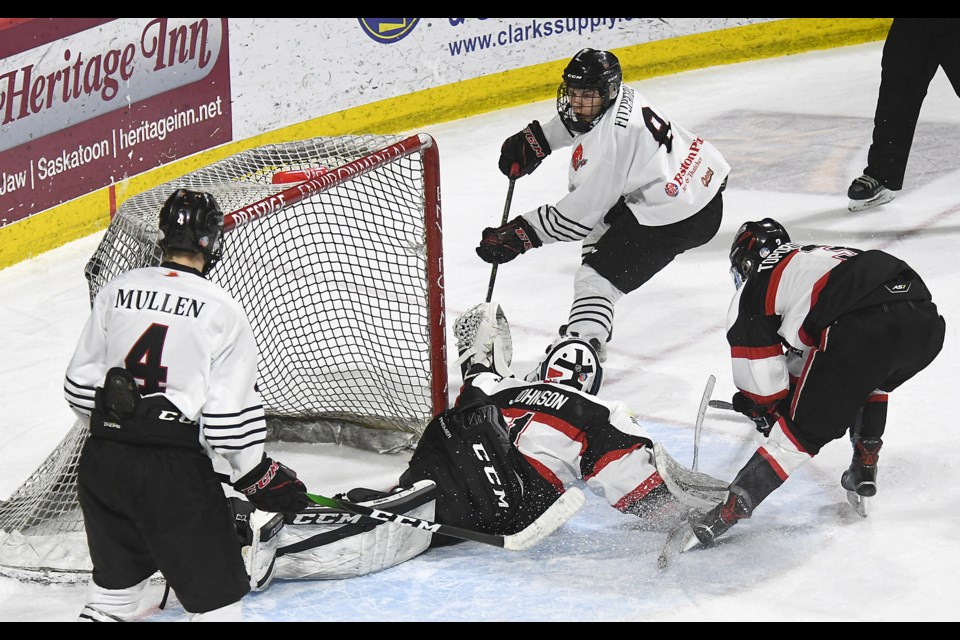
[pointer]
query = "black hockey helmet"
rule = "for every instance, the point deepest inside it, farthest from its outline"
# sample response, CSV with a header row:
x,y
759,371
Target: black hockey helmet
x,y
589,69
192,221
754,242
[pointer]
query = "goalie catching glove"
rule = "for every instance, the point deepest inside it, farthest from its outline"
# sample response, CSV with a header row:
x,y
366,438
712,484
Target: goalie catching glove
x,y
272,486
505,243
523,152
483,338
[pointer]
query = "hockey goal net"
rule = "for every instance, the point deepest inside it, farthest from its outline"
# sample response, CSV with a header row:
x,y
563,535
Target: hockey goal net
x,y
341,278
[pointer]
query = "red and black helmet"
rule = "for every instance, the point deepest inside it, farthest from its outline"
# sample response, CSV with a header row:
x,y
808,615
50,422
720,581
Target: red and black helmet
x,y
754,242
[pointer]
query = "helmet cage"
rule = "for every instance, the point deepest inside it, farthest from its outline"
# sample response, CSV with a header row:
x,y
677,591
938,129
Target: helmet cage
x,y
588,70
573,362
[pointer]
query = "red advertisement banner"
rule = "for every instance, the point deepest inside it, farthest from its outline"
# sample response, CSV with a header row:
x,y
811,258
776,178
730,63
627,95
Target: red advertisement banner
x,y
87,102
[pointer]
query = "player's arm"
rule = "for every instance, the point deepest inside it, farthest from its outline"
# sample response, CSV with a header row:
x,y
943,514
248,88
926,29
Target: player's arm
x,y
759,363
234,425
86,369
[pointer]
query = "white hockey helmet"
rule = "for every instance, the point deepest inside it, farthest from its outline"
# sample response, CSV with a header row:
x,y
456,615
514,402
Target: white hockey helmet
x,y
572,361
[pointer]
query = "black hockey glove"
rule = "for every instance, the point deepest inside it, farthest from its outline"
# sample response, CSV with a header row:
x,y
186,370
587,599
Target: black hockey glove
x,y
763,417
505,243
272,486
523,152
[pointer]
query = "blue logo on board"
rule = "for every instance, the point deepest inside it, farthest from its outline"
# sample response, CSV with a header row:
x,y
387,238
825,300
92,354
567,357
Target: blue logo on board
x,y
388,30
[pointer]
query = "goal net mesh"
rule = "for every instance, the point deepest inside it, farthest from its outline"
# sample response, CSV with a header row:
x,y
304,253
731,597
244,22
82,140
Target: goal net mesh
x,y
341,278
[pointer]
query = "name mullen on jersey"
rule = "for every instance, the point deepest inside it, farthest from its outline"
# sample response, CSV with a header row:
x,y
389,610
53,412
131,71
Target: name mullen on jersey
x,y
155,301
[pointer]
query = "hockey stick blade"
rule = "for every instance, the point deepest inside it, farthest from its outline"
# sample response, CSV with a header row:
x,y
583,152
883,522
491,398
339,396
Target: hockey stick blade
x,y
559,512
721,404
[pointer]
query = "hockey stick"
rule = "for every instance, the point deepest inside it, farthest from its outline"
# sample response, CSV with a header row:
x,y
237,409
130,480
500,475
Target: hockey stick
x,y
701,413
503,221
548,522
721,404
662,559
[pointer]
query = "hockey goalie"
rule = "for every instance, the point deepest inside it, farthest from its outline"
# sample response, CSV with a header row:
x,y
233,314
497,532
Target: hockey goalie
x,y
494,463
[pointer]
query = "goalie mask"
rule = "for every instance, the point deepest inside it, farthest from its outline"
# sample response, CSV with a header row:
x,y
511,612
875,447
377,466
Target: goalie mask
x,y
754,242
192,221
572,361
591,82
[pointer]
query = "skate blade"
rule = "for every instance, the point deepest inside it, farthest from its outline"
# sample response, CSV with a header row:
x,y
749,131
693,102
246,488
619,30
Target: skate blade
x,y
860,205
858,502
689,541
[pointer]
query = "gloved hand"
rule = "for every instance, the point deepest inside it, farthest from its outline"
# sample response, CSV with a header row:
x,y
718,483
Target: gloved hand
x,y
272,486
523,152
763,417
505,243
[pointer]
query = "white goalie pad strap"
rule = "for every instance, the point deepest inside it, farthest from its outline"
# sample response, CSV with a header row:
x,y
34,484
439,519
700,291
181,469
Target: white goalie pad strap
x,y
327,544
693,489
259,557
483,333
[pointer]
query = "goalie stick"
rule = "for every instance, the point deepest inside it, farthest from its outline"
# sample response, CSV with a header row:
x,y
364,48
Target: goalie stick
x,y
549,521
663,557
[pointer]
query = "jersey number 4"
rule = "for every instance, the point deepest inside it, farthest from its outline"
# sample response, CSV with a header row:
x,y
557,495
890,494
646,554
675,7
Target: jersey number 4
x,y
143,359
660,129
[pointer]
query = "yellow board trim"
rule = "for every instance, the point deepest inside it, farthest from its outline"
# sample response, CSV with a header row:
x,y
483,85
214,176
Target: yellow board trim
x,y
88,214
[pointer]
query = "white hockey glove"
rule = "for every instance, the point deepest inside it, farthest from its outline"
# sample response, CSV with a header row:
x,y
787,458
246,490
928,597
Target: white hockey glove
x,y
483,337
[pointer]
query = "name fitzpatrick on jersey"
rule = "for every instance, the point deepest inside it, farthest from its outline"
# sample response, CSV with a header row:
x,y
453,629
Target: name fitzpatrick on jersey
x,y
155,301
541,398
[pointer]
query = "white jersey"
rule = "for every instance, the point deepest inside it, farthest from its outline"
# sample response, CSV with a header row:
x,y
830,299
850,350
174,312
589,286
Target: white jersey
x,y
182,336
664,172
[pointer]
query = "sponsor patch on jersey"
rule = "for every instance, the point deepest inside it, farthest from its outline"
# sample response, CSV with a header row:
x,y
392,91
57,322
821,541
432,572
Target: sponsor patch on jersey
x,y
671,189
578,160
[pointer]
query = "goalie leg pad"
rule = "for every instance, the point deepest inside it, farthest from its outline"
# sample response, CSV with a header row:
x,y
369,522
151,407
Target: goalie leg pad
x,y
320,543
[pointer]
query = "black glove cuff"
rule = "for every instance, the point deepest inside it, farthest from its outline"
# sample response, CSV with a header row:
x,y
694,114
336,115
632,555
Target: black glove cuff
x,y
258,477
539,140
531,233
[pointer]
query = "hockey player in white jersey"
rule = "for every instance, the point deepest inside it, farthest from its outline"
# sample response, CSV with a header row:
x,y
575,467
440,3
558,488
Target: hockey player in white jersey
x,y
819,337
165,373
642,190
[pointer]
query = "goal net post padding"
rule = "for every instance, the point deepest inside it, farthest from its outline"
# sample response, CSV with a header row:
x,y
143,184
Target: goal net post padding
x,y
341,277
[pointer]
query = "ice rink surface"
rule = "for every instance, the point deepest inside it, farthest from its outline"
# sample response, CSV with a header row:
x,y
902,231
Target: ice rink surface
x,y
796,131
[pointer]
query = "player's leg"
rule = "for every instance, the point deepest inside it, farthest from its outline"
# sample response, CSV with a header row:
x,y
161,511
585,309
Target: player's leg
x,y
122,563
191,531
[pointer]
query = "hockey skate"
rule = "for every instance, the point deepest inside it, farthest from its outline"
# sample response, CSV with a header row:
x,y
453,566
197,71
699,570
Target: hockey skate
x,y
716,522
866,192
860,479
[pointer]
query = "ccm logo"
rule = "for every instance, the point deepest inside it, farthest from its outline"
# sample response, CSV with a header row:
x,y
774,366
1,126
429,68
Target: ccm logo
x,y
492,477
173,416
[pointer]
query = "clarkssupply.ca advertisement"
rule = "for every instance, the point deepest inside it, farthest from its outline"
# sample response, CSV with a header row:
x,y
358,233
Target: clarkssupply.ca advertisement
x,y
86,102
